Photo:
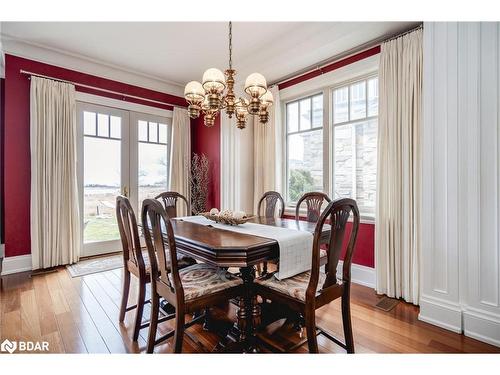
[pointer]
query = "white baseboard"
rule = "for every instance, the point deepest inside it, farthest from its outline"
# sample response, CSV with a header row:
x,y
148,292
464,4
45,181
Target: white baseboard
x,y
361,275
440,313
16,264
481,326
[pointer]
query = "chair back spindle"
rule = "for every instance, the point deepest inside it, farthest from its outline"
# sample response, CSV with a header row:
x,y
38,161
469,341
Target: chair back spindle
x,y
169,200
271,199
314,202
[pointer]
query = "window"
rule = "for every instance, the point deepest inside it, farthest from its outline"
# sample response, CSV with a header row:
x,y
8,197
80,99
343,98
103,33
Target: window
x,y
355,110
352,145
304,133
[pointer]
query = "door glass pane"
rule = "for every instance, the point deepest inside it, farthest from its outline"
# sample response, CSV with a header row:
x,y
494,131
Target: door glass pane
x,y
153,170
305,114
102,182
162,133
143,131
305,163
153,132
102,125
89,123
358,100
317,115
340,105
373,97
292,117
115,127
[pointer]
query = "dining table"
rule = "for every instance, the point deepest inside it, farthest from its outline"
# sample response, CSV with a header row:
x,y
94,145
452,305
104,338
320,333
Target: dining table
x,y
230,249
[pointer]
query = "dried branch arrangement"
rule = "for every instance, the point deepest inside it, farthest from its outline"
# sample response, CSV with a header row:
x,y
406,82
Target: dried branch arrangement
x,y
198,181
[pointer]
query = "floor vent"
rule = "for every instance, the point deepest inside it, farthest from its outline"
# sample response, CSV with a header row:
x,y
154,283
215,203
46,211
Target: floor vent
x,y
387,304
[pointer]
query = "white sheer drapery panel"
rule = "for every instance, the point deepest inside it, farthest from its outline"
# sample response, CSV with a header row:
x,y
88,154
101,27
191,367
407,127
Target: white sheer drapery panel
x,y
55,217
397,226
180,157
268,151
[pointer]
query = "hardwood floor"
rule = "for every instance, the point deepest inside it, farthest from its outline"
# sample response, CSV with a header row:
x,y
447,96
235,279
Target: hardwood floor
x,y
80,315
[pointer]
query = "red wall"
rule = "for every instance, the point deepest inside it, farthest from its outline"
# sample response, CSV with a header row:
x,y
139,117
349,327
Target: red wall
x,y
17,137
206,141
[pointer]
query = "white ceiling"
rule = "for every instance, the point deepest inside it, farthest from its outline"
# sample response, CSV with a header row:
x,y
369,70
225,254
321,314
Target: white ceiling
x,y
179,52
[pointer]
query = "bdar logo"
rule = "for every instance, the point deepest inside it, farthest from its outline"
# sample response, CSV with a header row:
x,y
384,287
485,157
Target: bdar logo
x,y
8,346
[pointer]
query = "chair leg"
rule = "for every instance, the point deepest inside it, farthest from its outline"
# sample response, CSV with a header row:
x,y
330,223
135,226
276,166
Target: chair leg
x,y
139,309
179,331
346,321
125,293
153,324
312,340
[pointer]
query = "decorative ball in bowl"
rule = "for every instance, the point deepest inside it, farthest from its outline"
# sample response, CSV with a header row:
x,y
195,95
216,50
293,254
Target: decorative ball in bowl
x,y
226,216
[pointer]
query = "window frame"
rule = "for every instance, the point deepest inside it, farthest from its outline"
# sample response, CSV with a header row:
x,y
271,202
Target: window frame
x,y
328,133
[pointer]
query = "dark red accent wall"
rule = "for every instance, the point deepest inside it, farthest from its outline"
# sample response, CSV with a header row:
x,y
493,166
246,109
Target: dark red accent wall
x,y
207,141
16,172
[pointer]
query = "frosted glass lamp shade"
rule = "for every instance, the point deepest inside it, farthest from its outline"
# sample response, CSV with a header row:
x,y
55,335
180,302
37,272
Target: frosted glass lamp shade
x,y
267,99
255,85
213,80
194,92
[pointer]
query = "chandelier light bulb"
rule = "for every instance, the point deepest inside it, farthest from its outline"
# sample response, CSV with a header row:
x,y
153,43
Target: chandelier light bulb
x,y
213,80
255,85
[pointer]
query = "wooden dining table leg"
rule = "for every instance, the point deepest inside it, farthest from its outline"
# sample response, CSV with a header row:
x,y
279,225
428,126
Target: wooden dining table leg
x,y
248,316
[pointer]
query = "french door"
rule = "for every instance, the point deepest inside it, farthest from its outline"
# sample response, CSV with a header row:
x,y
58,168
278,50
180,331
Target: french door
x,y
119,152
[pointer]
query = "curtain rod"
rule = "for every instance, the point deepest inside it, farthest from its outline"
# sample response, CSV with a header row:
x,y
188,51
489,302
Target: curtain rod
x,y
97,88
341,56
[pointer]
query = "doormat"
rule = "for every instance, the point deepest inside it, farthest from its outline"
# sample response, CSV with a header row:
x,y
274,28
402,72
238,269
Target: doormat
x,y
387,304
95,265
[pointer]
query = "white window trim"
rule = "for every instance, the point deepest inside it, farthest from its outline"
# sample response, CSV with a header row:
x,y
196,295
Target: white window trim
x,y
356,72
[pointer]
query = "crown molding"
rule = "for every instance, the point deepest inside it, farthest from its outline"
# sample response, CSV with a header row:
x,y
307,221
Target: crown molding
x,y
38,52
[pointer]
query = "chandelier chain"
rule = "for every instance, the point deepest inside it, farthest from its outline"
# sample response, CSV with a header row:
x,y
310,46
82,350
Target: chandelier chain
x,y
230,45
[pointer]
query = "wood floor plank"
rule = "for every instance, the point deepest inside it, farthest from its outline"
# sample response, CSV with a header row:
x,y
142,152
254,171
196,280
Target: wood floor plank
x,y
81,314
91,336
111,336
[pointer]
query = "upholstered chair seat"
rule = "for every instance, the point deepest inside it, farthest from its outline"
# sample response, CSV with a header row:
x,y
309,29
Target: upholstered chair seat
x,y
294,287
202,279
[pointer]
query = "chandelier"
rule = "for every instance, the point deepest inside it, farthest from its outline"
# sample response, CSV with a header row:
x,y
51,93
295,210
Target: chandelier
x,y
216,93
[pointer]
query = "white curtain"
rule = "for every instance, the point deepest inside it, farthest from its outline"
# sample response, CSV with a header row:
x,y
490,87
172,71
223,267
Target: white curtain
x,y
268,151
180,157
237,164
397,249
55,217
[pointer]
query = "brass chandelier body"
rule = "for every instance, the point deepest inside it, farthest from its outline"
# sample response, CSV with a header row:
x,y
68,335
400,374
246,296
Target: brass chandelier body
x,y
216,93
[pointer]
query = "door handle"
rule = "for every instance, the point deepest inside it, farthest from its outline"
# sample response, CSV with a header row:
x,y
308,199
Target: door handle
x,y
125,191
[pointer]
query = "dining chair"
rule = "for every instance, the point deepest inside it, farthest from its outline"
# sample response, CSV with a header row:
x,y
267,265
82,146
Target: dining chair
x,y
135,262
308,291
189,289
314,201
271,199
169,200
